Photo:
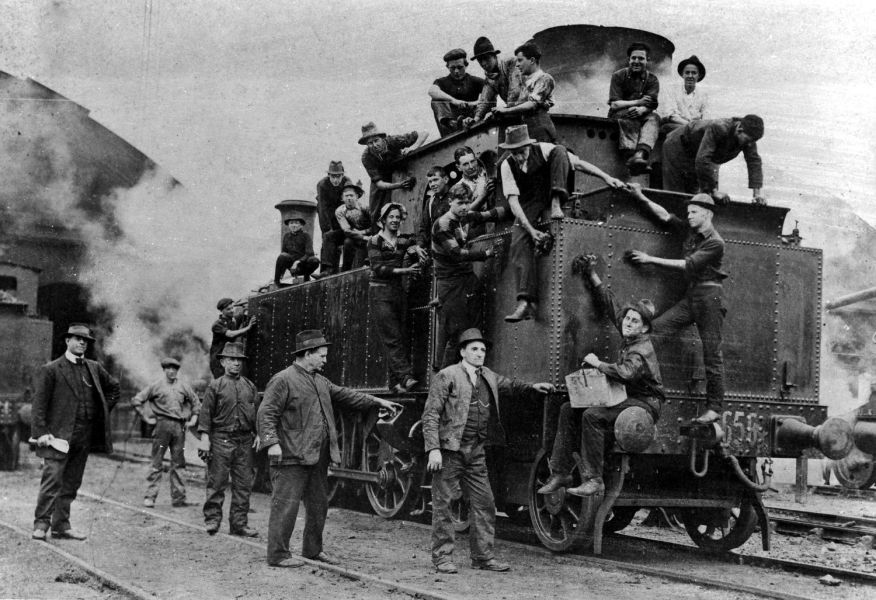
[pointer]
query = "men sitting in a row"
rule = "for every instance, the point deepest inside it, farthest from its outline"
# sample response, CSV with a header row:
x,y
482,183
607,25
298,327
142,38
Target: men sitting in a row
x,y
328,199
454,97
297,256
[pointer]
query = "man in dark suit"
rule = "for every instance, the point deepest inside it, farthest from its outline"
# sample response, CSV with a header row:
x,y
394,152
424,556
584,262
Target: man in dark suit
x,y
71,408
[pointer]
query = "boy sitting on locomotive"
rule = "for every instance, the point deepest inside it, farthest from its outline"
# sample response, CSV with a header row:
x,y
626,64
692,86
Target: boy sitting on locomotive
x,y
637,368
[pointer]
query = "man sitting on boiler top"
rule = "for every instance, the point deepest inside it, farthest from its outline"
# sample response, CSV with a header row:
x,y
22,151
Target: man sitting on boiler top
x,y
632,100
534,177
637,368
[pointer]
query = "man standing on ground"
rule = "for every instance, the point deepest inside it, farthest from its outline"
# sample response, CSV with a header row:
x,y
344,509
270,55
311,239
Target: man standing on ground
x,y
70,418
328,199
170,406
297,254
454,97
460,418
296,423
227,428
703,303
632,100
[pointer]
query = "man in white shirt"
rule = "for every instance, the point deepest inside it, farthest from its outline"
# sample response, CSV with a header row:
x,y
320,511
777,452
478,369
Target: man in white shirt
x,y
688,102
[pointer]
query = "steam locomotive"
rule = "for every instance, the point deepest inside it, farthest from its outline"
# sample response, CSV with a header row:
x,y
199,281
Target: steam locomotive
x,y
708,474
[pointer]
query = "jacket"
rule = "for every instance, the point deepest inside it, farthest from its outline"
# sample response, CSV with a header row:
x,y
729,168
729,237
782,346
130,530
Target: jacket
x,y
291,414
55,401
446,409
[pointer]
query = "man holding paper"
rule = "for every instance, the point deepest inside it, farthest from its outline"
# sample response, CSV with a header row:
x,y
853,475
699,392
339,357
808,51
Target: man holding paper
x,y
636,368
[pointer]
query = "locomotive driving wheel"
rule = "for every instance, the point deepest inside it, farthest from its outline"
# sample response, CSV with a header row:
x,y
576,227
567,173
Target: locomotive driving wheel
x,y
721,529
391,494
561,521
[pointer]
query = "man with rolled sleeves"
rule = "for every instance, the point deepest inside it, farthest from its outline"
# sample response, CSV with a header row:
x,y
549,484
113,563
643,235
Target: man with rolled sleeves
x,y
225,329
296,423
297,255
454,97
632,100
70,417
693,154
329,190
227,429
460,418
171,406
703,303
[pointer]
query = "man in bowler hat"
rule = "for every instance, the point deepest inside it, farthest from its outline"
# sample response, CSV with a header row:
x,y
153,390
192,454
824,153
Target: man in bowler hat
x,y
454,97
297,255
460,418
227,428
296,423
71,405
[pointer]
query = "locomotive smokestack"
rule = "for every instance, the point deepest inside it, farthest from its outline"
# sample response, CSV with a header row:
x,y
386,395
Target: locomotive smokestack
x,y
581,59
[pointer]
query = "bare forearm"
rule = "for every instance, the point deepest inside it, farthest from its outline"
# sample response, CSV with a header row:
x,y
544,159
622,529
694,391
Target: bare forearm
x,y
669,263
517,211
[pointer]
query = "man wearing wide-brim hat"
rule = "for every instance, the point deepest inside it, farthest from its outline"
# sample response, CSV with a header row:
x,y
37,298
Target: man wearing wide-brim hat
x,y
461,418
355,224
70,418
535,178
502,80
225,329
227,429
379,158
454,97
297,255
693,154
685,103
703,304
328,199
296,423
171,406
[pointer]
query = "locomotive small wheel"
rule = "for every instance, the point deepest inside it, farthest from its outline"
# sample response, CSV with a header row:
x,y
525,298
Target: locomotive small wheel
x,y
459,514
721,529
561,521
618,518
390,497
855,474
341,428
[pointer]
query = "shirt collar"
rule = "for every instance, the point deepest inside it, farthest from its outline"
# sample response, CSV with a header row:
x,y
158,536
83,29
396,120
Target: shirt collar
x,y
72,357
471,370
534,76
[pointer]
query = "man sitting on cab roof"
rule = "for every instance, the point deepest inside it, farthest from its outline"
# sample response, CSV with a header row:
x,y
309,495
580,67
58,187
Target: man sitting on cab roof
x,y
454,97
632,99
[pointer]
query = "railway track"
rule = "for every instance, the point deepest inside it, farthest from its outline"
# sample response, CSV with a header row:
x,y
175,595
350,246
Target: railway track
x,y
843,492
840,528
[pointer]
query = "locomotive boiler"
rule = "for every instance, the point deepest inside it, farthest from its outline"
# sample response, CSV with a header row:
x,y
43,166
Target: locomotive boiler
x,y
709,474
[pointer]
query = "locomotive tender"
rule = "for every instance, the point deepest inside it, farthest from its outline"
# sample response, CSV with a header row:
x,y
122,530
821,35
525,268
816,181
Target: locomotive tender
x,y
707,473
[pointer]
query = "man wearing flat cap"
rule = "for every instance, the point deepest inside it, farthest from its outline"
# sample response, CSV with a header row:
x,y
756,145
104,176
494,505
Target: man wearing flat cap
x,y
170,405
636,368
355,224
460,419
687,102
70,417
454,97
296,423
379,157
297,255
225,329
703,304
328,199
227,429
693,154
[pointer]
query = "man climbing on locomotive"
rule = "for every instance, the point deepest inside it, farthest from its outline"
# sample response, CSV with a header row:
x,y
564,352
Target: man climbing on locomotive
x,y
435,204
637,368
703,303
460,418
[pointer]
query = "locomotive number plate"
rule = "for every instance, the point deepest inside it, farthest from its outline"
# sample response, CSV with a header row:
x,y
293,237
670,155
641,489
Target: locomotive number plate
x,y
742,428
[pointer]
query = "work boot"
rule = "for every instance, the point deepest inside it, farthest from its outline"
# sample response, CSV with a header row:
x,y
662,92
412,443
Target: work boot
x,y
212,528
290,562
490,565
69,534
409,384
592,486
245,532
556,482
638,164
708,417
524,311
39,534
149,502
446,568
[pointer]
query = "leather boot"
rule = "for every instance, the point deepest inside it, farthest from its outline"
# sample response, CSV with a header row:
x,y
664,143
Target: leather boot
x,y
592,486
555,482
525,310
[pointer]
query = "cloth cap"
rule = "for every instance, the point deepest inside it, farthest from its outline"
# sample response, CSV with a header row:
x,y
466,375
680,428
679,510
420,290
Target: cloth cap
x,y
336,167
704,200
454,54
472,335
169,361
516,136
693,60
309,339
644,307
369,130
387,207
223,303
79,330
482,47
232,350
753,126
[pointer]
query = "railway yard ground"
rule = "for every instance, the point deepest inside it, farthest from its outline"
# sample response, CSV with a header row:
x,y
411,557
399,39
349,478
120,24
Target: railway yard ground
x,y
164,553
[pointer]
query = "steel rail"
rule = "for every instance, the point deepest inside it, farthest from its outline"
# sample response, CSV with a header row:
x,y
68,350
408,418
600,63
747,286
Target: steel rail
x,y
107,579
830,490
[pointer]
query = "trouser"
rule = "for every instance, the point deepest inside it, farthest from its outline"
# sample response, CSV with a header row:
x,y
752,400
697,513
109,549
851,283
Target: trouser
x,y
639,134
386,305
292,484
168,433
679,170
448,117
463,472
703,305
331,252
231,459
461,307
306,266
60,481
590,430
355,253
